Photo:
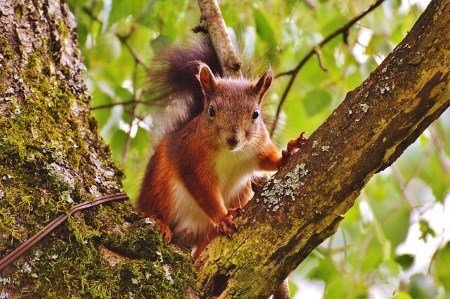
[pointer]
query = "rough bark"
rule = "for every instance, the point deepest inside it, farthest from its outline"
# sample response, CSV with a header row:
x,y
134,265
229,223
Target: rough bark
x,y
51,158
305,201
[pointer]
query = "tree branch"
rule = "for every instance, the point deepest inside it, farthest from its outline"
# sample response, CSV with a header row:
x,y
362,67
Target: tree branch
x,y
305,201
151,102
213,23
315,50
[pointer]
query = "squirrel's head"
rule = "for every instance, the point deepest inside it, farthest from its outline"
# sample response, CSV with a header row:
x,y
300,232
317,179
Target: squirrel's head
x,y
232,107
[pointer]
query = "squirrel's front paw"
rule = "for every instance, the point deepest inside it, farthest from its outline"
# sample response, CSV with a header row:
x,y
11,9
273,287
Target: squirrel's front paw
x,y
293,146
235,212
227,227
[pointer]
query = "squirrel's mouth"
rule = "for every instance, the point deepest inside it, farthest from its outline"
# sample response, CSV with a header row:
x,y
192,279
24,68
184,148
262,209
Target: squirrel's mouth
x,y
235,148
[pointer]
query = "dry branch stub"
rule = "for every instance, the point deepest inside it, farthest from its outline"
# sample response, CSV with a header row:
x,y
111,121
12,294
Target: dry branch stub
x,y
212,21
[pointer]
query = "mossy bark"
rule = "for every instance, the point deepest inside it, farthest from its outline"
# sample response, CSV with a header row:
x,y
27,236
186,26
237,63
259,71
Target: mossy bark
x,y
51,157
305,201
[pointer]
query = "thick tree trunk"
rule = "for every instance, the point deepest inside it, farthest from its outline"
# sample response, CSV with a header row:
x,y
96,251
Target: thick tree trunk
x,y
51,158
304,202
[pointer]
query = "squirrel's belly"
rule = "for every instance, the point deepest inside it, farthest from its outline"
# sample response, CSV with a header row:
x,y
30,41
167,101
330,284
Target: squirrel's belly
x,y
188,218
234,170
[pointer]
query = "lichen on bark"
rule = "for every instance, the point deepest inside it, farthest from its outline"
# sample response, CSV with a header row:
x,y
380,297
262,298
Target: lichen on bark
x,y
51,158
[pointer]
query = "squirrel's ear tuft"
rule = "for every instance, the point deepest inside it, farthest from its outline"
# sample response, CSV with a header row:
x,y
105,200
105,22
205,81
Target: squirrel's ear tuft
x,y
206,79
263,84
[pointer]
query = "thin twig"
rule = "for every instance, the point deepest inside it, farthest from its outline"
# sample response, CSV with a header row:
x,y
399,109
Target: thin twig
x,y
125,103
310,4
137,58
318,53
294,72
91,14
133,112
401,186
437,142
13,255
159,100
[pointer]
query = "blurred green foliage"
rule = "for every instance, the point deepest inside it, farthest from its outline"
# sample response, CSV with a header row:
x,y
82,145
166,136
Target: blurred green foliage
x,y
392,243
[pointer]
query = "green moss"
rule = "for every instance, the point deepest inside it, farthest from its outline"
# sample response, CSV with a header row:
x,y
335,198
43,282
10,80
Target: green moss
x,y
144,242
141,240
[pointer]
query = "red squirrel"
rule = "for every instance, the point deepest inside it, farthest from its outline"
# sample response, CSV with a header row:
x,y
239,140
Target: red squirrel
x,y
199,176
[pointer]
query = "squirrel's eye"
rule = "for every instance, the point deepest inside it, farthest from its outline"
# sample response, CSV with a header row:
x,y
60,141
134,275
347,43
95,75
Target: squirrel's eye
x,y
255,114
211,111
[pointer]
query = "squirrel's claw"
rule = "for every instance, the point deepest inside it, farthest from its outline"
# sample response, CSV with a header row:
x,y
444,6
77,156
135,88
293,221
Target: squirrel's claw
x,y
297,143
235,212
227,227
293,146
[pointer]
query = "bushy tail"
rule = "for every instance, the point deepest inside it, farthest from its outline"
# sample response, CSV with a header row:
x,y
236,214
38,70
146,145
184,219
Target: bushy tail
x,y
173,75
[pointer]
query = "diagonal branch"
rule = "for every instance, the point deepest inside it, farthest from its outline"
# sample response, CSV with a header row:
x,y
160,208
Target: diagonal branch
x,y
315,51
305,201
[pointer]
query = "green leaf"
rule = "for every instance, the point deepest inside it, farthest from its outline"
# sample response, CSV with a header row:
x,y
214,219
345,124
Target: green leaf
x,y
117,144
443,129
373,256
122,94
160,42
137,157
401,295
264,28
121,9
111,126
426,230
336,289
292,288
405,260
442,266
106,49
396,226
326,270
422,287
315,101
435,176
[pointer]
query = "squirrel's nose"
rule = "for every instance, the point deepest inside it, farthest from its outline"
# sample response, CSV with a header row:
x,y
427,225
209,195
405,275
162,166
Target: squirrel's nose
x,y
232,141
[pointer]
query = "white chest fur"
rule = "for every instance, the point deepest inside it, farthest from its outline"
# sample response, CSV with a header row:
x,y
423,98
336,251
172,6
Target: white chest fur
x,y
233,170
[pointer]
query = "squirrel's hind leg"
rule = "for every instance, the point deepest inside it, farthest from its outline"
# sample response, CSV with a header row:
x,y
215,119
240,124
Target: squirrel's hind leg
x,y
164,230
